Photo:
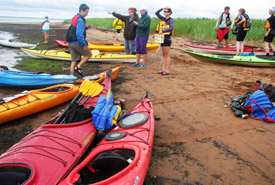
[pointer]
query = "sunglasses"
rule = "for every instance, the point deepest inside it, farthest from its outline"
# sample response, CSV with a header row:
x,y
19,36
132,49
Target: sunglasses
x,y
166,11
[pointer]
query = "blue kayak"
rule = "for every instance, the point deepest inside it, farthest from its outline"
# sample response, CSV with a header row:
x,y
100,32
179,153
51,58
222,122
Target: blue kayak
x,y
24,79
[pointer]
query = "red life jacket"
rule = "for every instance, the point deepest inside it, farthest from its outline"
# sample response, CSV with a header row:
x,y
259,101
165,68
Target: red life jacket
x,y
71,33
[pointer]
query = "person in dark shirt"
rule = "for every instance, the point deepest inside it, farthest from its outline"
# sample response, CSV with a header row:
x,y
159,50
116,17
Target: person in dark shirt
x,y
270,31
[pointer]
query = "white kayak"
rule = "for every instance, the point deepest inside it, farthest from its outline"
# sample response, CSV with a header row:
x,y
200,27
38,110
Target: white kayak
x,y
15,44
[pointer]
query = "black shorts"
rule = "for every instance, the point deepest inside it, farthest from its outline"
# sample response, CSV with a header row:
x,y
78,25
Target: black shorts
x,y
118,30
269,38
166,43
241,34
225,37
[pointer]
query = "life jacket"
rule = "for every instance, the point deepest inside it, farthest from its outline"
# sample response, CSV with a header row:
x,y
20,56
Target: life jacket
x,y
71,33
267,23
118,24
228,20
261,107
246,24
162,26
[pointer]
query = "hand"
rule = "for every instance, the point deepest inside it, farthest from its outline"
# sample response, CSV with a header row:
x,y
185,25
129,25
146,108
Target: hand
x,y
89,27
266,34
110,13
85,48
216,28
231,29
135,22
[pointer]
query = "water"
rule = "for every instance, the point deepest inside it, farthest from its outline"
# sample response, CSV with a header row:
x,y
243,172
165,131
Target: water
x,y
25,20
8,56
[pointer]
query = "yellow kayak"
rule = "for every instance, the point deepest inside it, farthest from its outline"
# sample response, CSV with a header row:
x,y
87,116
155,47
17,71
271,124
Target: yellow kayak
x,y
96,56
114,47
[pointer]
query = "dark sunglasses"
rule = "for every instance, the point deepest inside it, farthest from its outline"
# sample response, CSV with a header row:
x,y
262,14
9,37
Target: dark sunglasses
x,y
166,11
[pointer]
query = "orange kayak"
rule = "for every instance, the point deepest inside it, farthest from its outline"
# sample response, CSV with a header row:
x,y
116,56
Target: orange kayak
x,y
34,101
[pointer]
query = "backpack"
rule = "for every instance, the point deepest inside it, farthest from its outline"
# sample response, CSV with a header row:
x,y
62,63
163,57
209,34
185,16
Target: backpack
x,y
247,23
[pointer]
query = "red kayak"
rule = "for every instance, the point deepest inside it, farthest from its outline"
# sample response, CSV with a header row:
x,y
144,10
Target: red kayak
x,y
225,50
123,156
49,153
62,43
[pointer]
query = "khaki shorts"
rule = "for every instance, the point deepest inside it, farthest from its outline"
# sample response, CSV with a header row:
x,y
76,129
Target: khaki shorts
x,y
77,52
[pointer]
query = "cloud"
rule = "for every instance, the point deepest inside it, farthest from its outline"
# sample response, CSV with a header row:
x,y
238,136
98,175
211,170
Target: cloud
x,y
99,8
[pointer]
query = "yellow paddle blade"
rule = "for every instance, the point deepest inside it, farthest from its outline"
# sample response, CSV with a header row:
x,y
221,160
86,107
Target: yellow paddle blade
x,y
94,89
83,85
86,88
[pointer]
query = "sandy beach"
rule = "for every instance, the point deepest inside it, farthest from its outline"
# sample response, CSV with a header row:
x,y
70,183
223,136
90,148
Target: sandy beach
x,y
198,140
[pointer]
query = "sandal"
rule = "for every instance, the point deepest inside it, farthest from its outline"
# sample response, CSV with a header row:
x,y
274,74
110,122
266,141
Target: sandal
x,y
160,72
78,70
165,73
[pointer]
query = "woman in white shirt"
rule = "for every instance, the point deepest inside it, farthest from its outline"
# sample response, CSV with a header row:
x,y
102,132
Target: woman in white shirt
x,y
46,29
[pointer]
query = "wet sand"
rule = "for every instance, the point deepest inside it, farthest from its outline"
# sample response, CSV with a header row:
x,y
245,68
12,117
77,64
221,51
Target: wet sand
x,y
197,140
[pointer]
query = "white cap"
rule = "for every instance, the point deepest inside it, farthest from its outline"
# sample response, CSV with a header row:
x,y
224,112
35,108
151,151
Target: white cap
x,y
272,9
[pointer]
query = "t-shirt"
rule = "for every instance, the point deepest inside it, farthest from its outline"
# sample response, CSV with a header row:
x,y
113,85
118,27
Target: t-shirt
x,y
271,21
46,25
223,22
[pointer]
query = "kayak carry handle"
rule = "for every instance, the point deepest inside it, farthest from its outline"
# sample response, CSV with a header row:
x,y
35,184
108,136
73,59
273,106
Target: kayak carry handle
x,y
145,96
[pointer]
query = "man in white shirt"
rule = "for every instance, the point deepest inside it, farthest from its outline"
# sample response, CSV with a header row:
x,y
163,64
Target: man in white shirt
x,y
46,29
222,26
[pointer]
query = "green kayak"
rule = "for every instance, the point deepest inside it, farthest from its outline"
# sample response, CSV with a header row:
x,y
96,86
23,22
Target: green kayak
x,y
253,61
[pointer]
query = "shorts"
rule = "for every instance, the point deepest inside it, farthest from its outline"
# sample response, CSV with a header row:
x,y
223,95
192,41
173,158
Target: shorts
x,y
269,38
77,52
225,36
46,30
141,43
118,30
241,34
166,43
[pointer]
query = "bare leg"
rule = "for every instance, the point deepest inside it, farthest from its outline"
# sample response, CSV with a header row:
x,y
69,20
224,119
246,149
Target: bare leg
x,y
272,47
238,47
218,43
46,37
168,59
138,58
145,56
266,47
83,60
241,43
226,43
163,59
73,64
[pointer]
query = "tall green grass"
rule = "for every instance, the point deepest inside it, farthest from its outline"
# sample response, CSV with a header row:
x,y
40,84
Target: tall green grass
x,y
199,29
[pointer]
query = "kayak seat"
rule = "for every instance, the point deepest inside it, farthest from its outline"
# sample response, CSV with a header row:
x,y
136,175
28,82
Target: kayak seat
x,y
115,136
133,120
105,165
14,175
91,78
57,89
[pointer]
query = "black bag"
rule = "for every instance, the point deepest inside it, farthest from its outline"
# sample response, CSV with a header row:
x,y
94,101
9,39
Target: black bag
x,y
77,113
237,104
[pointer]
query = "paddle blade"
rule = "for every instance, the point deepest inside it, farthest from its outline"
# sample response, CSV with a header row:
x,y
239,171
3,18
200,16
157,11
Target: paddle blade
x,y
95,89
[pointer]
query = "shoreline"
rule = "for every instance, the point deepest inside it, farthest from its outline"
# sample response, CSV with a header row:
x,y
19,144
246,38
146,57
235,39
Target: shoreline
x,y
197,140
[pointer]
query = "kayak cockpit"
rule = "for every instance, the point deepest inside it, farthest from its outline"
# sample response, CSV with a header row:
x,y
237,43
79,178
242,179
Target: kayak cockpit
x,y
15,173
105,165
56,89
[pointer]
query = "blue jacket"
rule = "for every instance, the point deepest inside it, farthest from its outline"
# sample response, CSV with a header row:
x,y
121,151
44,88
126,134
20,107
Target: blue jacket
x,y
259,104
80,31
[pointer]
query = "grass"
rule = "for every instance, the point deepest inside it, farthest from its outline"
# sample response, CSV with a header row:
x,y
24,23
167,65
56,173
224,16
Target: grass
x,y
198,29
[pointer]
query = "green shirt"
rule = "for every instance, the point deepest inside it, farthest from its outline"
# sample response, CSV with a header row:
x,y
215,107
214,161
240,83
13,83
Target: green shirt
x,y
143,26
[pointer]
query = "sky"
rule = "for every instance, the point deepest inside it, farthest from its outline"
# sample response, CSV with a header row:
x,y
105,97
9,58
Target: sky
x,y
66,9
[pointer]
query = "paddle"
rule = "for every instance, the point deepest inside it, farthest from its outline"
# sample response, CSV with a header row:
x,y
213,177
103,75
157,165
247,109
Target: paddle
x,y
93,91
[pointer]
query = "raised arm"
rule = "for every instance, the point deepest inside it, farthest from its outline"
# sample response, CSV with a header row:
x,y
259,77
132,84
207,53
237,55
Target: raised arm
x,y
119,16
158,14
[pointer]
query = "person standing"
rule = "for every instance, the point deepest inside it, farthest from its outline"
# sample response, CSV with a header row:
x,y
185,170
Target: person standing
x,y
46,29
222,26
118,25
142,36
242,23
129,30
165,27
270,31
76,36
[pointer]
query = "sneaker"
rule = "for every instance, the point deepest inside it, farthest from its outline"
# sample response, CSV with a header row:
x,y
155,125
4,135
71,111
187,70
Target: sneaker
x,y
135,65
160,72
165,73
142,66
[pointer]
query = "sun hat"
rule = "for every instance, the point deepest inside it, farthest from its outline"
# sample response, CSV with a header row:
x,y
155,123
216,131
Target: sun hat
x,y
272,9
